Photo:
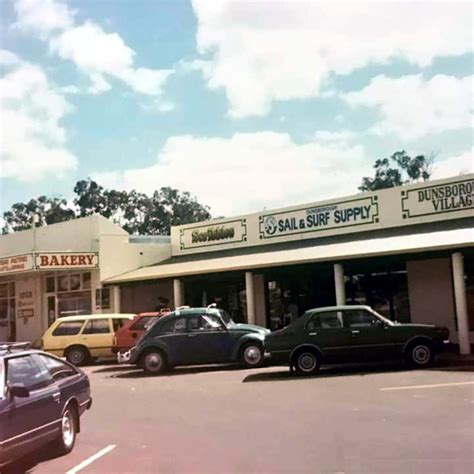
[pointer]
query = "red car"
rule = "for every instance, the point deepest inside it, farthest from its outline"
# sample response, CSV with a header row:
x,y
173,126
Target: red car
x,y
128,335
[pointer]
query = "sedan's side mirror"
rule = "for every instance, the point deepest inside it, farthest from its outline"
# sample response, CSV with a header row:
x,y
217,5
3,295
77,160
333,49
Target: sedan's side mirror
x,y
18,390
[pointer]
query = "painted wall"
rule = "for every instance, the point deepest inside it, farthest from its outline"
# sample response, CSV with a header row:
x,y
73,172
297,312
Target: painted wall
x,y
143,297
431,293
117,255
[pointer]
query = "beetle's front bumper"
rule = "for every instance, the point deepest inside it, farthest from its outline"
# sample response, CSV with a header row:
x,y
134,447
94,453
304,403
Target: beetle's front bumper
x,y
124,357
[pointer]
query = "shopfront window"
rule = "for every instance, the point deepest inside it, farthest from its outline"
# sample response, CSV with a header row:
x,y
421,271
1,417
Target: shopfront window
x,y
68,295
7,310
386,292
469,281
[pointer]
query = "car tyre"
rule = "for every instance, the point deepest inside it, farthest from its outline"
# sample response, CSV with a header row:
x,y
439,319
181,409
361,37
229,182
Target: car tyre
x,y
78,355
153,362
306,362
66,440
420,354
252,355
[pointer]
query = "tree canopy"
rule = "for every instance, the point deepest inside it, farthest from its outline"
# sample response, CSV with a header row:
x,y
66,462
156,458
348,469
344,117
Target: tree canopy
x,y
136,212
398,170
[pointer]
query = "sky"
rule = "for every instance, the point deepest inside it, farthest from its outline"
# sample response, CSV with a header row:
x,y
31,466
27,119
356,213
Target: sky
x,y
247,105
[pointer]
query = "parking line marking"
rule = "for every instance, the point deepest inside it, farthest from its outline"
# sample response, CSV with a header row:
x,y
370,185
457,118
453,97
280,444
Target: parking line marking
x,y
91,459
408,387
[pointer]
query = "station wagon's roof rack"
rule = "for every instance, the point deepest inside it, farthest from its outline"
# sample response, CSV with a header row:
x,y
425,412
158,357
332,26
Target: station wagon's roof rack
x,y
181,307
10,346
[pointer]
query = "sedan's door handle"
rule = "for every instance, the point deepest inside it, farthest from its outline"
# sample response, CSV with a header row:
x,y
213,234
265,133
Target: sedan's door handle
x,y
355,331
313,333
57,397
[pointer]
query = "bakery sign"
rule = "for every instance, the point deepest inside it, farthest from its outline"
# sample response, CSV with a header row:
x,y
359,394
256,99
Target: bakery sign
x,y
67,260
329,217
218,234
438,199
17,263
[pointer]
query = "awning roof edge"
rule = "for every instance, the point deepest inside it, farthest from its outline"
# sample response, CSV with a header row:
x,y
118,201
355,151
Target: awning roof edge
x,y
434,241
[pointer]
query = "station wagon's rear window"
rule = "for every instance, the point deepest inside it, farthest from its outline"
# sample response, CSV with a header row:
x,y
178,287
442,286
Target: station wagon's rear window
x,y
97,326
69,328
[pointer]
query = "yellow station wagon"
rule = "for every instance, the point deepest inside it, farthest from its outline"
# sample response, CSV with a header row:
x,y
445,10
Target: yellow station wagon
x,y
81,339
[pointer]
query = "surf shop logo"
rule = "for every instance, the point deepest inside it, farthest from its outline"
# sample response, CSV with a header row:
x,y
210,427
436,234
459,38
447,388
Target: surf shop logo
x,y
271,225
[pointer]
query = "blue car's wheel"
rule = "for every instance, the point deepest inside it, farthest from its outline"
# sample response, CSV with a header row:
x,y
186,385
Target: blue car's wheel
x,y
67,438
153,362
251,354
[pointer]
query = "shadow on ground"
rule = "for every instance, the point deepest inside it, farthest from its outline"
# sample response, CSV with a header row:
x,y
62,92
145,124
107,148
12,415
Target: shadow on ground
x,y
27,463
349,370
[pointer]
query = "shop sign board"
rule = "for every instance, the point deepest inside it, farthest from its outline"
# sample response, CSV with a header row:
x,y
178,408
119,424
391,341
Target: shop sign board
x,y
66,260
17,263
438,199
213,234
333,216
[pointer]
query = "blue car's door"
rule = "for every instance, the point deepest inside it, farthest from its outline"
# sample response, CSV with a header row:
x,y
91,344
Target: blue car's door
x,y
173,337
33,420
209,341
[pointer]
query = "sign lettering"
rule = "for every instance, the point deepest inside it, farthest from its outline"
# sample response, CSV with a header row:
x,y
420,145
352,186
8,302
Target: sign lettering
x,y
439,199
19,263
66,260
351,213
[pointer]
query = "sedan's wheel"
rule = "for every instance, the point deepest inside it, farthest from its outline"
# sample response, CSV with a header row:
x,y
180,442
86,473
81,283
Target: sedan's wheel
x,y
153,362
252,355
77,355
67,438
420,355
306,363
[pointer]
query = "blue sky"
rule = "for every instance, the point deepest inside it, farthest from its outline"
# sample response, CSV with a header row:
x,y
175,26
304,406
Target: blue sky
x,y
247,105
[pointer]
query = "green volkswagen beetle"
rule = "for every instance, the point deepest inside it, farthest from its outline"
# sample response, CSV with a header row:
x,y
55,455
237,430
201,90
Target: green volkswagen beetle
x,y
345,334
193,336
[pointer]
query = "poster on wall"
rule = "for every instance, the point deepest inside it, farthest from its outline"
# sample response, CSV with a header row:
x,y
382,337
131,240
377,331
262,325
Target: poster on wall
x,y
25,298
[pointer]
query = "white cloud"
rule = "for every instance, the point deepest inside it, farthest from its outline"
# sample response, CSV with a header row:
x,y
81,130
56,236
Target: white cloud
x,y
455,165
96,53
43,17
412,107
7,58
260,52
335,136
33,140
248,171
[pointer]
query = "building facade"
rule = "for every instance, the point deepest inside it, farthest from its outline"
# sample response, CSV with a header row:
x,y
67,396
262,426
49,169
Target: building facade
x,y
408,252
58,270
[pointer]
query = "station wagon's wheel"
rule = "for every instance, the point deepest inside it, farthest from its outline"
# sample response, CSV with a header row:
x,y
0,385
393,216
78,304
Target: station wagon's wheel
x,y
77,355
153,362
306,362
67,437
420,354
251,354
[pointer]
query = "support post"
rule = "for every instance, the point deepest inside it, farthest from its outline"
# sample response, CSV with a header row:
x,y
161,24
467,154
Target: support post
x,y
250,294
178,292
339,284
460,303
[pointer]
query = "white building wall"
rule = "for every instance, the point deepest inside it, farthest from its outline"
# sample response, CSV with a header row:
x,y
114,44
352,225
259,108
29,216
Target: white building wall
x,y
431,295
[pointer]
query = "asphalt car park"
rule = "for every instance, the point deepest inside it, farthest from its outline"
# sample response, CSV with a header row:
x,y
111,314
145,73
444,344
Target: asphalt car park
x,y
225,419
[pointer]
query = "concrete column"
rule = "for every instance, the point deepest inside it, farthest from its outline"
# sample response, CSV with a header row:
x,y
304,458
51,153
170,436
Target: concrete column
x,y
250,293
339,284
115,290
460,302
178,291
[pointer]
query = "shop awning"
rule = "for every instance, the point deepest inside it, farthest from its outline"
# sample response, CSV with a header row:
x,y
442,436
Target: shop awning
x,y
374,247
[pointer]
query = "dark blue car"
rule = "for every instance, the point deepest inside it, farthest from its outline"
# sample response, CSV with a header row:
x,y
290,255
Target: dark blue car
x,y
41,400
193,336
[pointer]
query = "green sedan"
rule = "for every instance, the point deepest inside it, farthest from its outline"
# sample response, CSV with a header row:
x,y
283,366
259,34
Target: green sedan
x,y
345,334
